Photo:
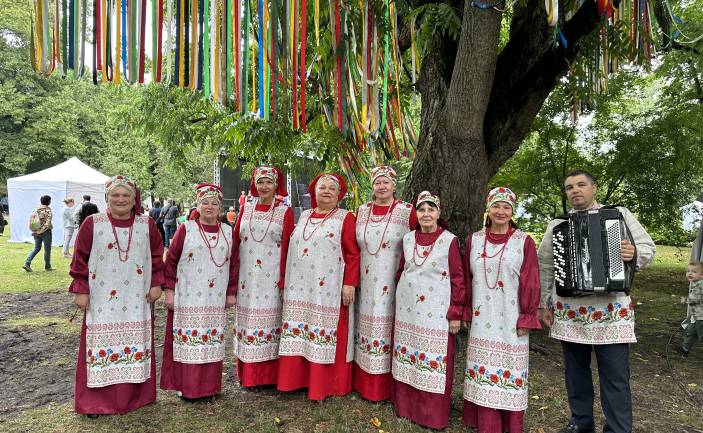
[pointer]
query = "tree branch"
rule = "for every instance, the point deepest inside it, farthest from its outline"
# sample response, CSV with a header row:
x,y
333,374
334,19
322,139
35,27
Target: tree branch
x,y
527,70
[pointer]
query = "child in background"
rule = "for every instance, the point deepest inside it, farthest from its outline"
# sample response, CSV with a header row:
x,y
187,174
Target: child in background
x,y
693,325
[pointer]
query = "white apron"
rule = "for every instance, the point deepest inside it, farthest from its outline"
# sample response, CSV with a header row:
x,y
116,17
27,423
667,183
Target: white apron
x,y
313,293
422,299
497,359
381,244
258,318
199,318
118,319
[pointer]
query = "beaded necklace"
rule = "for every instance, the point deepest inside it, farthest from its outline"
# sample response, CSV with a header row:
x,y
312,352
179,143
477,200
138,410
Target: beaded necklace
x,y
251,216
387,215
484,255
425,253
217,241
117,240
319,223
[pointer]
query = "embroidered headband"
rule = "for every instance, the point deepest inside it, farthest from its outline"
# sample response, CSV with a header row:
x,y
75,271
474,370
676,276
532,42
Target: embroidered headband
x,y
331,179
426,196
383,170
207,190
265,172
117,181
501,193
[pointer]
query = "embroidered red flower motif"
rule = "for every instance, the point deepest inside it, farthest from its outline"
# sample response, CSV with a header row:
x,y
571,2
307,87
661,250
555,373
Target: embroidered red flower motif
x,y
285,325
127,350
560,306
421,357
376,343
330,235
269,337
211,283
184,338
444,360
296,331
412,359
631,306
180,332
518,382
501,189
494,378
328,338
110,246
611,308
258,263
385,244
113,293
205,338
114,357
571,314
322,333
239,335
305,327
368,347
506,374
250,338
420,298
597,315
425,253
623,313
92,275
366,270
444,275
140,270
472,373
403,350
222,337
500,283
386,348
311,336
305,251
246,238
434,365
322,282
194,333
583,311
384,290
261,333
190,256
102,353
477,312
482,370
213,332
91,359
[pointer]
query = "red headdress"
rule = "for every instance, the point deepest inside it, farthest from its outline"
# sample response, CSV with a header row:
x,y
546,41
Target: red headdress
x,y
125,182
334,177
272,173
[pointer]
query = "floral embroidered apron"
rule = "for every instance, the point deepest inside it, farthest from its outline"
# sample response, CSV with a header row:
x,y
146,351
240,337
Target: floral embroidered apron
x,y
199,318
313,293
258,318
375,303
497,359
118,319
422,299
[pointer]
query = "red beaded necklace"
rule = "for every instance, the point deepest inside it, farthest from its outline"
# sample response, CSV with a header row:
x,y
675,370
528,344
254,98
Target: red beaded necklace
x,y
484,255
319,223
425,253
217,241
251,215
387,215
117,241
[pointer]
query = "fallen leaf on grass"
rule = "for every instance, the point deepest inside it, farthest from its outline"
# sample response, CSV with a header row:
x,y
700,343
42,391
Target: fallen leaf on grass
x,y
692,385
356,412
535,397
376,422
277,420
540,430
543,408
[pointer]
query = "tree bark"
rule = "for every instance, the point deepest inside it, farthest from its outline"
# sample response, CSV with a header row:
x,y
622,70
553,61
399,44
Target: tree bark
x,y
478,105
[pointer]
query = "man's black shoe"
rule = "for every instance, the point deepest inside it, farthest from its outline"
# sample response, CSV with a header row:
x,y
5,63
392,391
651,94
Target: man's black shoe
x,y
573,428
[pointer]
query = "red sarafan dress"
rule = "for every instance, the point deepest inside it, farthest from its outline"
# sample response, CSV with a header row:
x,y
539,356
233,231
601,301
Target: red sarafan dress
x,y
116,262
262,233
430,292
316,346
201,267
379,233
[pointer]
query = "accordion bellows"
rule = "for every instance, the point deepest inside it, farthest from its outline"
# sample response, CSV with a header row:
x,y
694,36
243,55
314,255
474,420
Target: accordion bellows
x,y
587,254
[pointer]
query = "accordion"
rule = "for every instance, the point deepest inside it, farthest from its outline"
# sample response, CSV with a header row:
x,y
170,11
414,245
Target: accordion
x,y
587,255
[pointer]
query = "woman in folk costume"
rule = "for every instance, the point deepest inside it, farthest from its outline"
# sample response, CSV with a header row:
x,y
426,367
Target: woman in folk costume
x,y
261,233
316,347
429,303
117,274
380,227
201,282
503,291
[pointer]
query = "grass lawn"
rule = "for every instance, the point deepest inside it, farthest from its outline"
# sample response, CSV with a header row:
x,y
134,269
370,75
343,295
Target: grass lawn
x,y
660,403
14,279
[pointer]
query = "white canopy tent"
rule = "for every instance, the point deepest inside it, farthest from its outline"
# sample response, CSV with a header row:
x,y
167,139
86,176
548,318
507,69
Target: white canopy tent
x,y
71,178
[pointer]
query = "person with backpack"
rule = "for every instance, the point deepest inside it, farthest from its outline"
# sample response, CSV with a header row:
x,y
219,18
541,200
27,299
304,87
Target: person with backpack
x,y
155,214
40,225
170,214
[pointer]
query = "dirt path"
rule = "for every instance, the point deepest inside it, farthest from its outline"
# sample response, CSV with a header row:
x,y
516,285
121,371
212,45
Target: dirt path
x,y
39,346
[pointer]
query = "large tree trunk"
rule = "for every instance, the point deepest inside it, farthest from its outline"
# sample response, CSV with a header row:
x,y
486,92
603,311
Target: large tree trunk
x,y
478,104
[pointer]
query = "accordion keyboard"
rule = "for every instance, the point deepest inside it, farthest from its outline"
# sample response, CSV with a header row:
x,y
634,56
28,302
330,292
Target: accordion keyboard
x,y
560,268
617,270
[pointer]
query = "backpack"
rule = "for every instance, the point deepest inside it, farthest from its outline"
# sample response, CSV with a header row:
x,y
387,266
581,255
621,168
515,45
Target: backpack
x,y
34,222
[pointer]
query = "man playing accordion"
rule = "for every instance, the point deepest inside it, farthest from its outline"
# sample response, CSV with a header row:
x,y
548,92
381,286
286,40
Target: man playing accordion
x,y
604,322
